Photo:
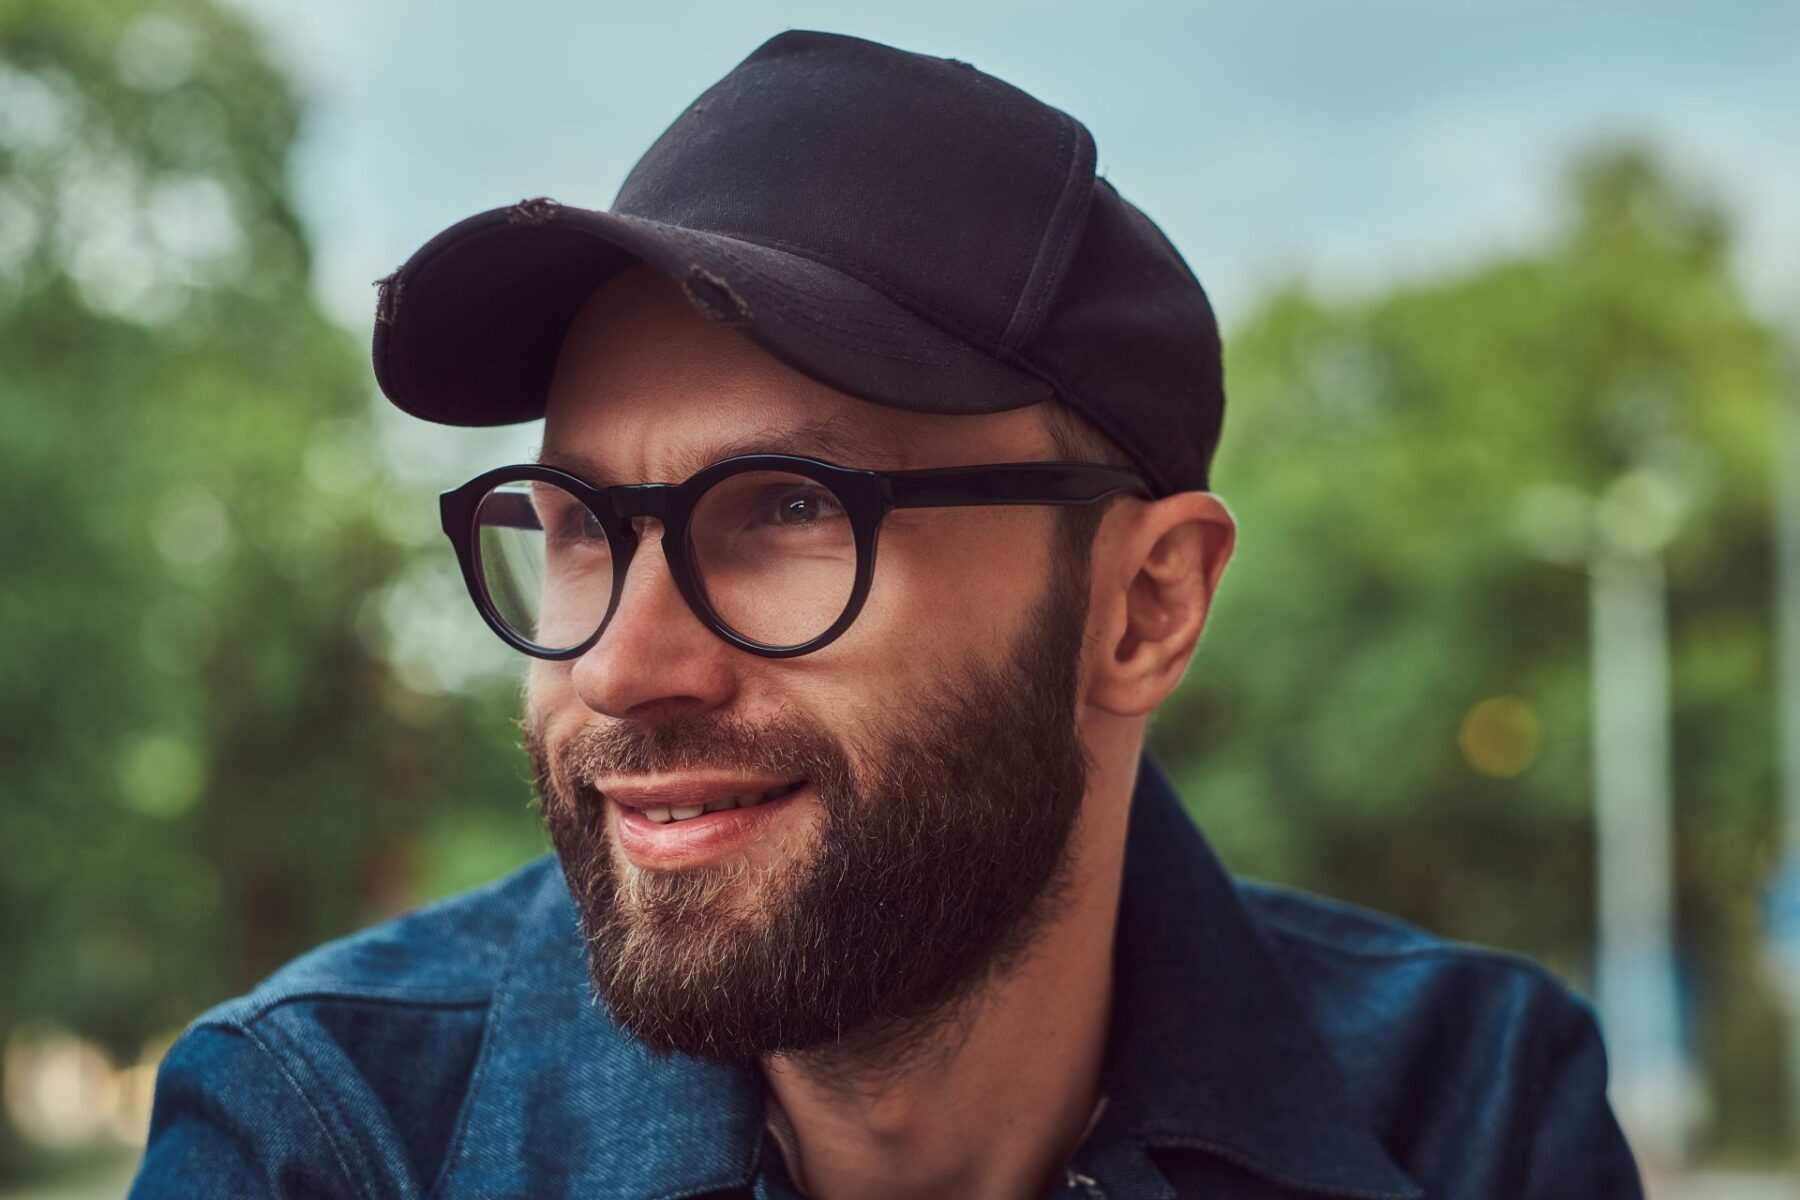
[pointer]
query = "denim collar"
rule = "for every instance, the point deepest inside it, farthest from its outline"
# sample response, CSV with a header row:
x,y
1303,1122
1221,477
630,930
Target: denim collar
x,y
1210,1050
1210,1047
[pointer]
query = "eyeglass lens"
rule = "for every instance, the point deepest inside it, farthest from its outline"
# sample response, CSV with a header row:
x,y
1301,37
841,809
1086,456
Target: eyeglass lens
x,y
773,553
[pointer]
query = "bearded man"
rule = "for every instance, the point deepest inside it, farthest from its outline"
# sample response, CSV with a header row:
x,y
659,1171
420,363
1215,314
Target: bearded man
x,y
863,887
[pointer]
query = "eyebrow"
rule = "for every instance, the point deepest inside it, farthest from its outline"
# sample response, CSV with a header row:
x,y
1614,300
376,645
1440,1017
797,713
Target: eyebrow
x,y
831,438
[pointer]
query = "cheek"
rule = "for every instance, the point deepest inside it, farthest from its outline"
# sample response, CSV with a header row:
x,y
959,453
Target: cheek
x,y
951,584
551,705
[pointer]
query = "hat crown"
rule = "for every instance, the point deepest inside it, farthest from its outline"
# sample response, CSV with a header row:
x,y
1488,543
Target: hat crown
x,y
954,193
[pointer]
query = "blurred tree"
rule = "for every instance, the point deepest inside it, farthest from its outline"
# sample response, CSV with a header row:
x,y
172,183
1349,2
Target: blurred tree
x,y
1392,705
229,725
211,760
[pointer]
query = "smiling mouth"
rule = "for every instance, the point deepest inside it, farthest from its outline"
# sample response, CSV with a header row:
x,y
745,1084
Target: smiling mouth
x,y
664,814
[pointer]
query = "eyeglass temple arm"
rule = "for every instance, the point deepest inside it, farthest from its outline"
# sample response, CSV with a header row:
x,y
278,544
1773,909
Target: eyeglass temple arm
x,y
1010,483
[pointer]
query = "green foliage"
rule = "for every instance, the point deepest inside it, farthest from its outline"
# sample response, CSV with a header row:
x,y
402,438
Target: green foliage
x,y
1418,479
211,762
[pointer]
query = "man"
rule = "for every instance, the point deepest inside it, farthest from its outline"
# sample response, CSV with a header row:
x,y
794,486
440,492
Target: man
x,y
862,886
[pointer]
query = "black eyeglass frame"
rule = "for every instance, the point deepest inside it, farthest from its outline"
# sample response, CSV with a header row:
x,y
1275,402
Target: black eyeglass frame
x,y
867,497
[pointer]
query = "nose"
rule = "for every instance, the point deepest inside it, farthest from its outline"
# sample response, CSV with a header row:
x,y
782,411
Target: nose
x,y
655,660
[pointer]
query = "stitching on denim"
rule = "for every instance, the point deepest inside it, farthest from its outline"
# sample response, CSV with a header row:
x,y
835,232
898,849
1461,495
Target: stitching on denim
x,y
477,1077
394,998
702,1185
325,1127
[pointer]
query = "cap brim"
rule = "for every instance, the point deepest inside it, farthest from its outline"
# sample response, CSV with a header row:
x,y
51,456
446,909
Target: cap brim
x,y
468,330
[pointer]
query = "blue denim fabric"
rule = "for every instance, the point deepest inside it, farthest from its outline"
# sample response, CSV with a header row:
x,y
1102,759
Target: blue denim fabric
x,y
1264,1044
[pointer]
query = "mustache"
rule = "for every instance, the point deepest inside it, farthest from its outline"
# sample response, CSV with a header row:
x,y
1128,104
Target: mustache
x,y
783,745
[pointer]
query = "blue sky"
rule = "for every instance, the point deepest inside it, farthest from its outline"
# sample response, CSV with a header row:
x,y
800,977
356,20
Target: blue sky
x,y
1349,144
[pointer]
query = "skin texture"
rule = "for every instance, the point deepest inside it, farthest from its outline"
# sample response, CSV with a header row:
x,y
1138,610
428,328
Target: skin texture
x,y
993,1097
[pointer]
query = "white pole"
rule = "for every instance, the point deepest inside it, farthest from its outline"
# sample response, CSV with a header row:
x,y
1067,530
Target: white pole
x,y
1637,984
1787,597
1786,500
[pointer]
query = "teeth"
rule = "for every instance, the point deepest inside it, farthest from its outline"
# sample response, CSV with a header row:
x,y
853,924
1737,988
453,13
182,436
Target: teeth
x,y
687,812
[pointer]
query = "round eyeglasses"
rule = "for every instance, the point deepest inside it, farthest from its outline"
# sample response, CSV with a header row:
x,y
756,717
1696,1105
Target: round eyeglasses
x,y
774,553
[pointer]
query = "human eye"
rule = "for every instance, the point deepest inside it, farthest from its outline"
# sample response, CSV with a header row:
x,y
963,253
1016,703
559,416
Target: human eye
x,y
796,506
584,526
572,525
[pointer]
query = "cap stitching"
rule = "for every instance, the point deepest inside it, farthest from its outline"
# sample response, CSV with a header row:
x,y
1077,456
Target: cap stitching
x,y
792,302
858,272
1062,231
844,322
1022,272
1000,321
797,304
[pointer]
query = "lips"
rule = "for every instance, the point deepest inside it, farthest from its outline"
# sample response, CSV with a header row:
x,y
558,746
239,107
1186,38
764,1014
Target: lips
x,y
686,804
689,822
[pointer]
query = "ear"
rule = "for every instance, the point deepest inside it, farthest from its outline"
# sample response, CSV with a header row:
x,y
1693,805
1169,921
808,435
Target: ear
x,y
1155,575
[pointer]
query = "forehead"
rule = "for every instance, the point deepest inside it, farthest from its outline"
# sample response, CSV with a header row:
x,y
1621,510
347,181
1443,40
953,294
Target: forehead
x,y
645,388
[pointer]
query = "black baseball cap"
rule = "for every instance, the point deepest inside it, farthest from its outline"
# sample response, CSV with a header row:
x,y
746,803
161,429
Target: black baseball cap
x,y
903,228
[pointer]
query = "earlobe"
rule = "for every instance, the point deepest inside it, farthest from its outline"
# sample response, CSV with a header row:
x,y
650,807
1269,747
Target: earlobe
x,y
1169,563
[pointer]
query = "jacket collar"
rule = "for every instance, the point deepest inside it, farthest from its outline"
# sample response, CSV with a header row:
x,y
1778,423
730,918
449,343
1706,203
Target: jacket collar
x,y
1210,1047
562,1103
1209,1050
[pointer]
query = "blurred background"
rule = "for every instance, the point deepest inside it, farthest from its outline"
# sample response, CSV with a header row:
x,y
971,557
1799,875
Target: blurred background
x,y
1511,646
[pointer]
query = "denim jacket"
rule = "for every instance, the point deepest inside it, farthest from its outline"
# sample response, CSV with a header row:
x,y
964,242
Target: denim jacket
x,y
1263,1044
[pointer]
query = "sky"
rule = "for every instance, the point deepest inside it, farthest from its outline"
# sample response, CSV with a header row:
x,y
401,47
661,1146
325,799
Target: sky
x,y
1349,145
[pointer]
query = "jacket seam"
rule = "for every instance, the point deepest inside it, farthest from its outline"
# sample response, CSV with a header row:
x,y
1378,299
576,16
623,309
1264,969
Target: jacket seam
x,y
267,1008
1478,955
477,1078
1550,1048
312,1108
1431,949
1522,1153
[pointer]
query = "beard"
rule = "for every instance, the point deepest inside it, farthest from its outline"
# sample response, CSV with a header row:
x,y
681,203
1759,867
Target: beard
x,y
941,853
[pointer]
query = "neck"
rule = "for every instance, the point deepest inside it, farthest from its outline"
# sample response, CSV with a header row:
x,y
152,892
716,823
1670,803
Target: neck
x,y
990,1100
